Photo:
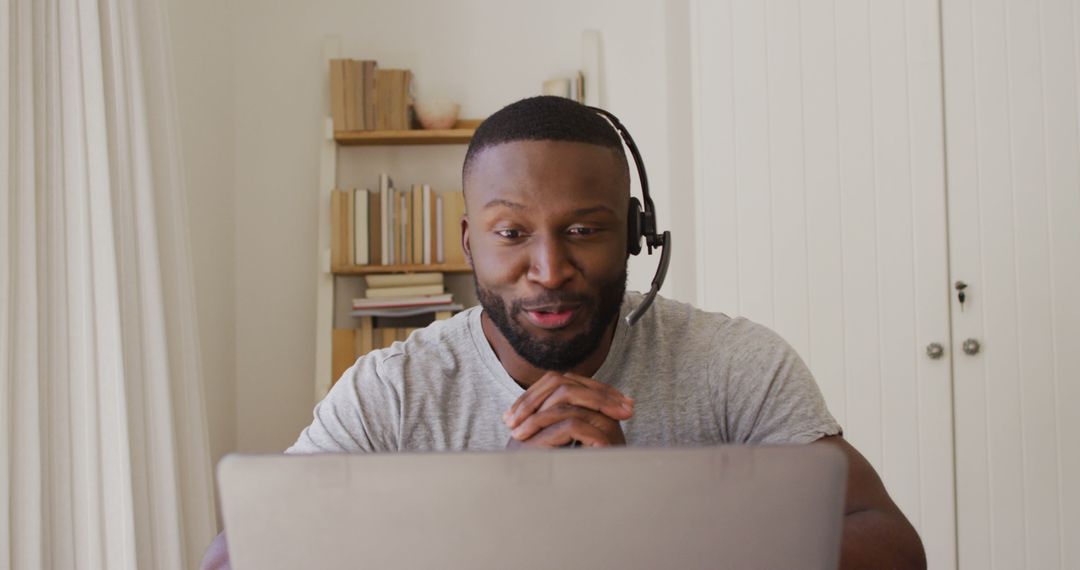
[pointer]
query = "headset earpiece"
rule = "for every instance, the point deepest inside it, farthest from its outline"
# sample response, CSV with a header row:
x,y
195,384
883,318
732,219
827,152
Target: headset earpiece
x,y
634,223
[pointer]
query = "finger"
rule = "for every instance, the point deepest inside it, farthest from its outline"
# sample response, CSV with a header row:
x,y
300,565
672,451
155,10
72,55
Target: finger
x,y
607,402
569,430
531,400
539,390
594,383
544,419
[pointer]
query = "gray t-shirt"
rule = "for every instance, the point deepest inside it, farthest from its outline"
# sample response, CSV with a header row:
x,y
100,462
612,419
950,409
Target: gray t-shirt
x,y
697,378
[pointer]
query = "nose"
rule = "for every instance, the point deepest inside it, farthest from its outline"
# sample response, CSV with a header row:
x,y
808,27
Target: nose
x,y
550,265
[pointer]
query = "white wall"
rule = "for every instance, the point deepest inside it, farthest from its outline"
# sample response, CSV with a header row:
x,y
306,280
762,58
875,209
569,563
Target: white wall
x,y
485,53
680,183
201,50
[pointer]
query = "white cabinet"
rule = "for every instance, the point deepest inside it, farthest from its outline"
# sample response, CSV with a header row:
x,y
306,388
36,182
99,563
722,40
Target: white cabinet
x,y
850,169
1014,226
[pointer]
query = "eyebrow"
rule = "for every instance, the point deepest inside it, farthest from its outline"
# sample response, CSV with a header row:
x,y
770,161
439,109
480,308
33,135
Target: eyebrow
x,y
505,203
593,210
517,206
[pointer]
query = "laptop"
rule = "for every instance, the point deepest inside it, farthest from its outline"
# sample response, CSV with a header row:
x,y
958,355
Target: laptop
x,y
710,507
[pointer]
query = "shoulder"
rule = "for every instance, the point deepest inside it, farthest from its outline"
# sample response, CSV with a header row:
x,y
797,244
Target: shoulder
x,y
717,338
670,319
667,315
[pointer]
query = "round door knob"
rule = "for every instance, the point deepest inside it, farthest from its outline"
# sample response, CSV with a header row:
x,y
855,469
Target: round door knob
x,y
934,350
971,346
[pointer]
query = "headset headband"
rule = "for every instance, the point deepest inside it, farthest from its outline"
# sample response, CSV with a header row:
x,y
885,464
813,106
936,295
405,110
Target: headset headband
x,y
648,229
648,226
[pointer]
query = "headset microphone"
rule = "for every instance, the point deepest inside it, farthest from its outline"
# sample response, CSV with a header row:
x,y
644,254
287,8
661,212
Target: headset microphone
x,y
641,222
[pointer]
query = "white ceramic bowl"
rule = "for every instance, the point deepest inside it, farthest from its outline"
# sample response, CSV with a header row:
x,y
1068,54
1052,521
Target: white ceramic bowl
x,y
437,113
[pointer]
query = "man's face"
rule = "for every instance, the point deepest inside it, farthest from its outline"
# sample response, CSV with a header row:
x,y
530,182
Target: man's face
x,y
546,235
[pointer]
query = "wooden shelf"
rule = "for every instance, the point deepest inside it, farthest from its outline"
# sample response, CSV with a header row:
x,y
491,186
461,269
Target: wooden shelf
x,y
410,268
461,133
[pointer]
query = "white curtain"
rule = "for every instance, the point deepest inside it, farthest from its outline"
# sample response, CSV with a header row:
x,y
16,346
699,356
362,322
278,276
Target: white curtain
x,y
104,459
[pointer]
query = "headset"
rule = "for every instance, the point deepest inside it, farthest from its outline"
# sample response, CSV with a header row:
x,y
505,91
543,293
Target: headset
x,y
641,222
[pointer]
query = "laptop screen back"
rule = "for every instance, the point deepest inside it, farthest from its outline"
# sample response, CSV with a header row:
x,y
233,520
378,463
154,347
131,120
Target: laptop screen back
x,y
717,507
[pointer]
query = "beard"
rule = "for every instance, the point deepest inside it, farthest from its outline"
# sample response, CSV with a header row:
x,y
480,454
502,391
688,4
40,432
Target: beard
x,y
553,353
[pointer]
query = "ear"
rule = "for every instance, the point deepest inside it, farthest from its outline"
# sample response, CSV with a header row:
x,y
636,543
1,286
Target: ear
x,y
465,240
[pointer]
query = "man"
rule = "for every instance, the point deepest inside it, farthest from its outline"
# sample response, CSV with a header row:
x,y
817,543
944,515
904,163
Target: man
x,y
547,360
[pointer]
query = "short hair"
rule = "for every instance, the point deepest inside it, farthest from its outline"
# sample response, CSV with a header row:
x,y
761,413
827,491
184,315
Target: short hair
x,y
545,118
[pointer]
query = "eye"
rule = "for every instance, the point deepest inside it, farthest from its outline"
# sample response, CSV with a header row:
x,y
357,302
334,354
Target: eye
x,y
509,233
582,230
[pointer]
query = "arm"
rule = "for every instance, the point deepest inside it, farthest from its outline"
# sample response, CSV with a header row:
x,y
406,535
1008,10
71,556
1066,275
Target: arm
x,y
217,555
876,533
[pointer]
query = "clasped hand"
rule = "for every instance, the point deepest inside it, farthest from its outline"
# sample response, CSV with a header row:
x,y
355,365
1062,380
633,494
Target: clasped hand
x,y
562,408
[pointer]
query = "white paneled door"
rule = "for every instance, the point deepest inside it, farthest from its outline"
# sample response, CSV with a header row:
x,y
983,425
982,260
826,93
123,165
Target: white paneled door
x,y
1014,219
821,192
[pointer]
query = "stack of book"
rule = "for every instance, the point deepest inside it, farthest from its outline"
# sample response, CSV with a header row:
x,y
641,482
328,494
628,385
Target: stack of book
x,y
396,227
404,295
364,97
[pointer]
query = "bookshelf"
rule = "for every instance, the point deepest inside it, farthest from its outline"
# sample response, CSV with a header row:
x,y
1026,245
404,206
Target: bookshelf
x,y
338,284
461,134
409,268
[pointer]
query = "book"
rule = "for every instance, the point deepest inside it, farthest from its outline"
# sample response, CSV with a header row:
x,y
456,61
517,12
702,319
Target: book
x,y
395,232
387,223
416,243
406,311
406,233
453,210
336,253
386,336
429,230
439,256
337,93
559,87
374,228
572,87
342,351
369,93
403,291
404,249
393,99
361,227
365,341
358,95
348,224
406,100
398,279
350,95
398,302
394,104
384,93
341,228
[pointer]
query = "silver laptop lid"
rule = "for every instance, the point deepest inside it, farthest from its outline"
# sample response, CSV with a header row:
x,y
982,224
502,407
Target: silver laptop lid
x,y
718,507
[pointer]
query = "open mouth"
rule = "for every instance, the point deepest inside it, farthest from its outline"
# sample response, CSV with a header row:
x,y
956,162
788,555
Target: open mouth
x,y
552,317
